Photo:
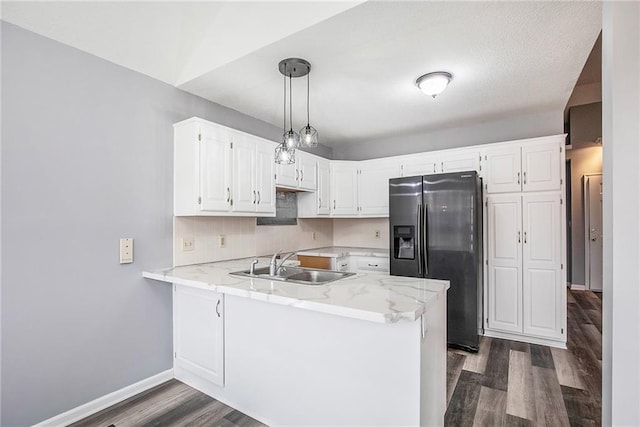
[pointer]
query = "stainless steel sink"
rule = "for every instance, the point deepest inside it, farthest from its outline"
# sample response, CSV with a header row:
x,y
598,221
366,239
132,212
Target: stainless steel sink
x,y
303,276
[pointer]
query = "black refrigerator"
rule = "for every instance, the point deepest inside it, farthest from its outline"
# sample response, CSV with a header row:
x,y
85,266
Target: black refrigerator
x,y
436,232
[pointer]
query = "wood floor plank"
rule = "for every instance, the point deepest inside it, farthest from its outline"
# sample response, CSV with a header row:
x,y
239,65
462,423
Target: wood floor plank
x,y
179,414
513,421
566,368
497,372
596,318
578,313
239,419
520,346
584,301
208,415
582,409
455,362
492,408
119,411
462,409
477,362
593,337
595,301
520,393
550,409
541,356
570,298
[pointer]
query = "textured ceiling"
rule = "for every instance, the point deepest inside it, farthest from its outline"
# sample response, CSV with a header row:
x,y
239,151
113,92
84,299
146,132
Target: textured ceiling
x,y
507,58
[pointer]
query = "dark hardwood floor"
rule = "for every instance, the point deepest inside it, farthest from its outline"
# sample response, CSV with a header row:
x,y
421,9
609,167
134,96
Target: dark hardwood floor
x,y
507,383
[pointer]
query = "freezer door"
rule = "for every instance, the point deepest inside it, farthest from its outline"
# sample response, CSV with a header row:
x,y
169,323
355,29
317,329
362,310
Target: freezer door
x,y
405,210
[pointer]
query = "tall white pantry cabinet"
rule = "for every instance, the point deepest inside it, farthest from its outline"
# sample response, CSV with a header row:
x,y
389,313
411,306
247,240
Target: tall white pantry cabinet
x,y
525,277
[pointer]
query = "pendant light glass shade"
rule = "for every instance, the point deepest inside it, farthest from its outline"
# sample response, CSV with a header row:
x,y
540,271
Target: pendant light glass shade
x,y
308,136
291,139
285,155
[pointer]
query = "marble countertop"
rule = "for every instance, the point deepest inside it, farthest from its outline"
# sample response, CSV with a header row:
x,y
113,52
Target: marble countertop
x,y
340,251
374,297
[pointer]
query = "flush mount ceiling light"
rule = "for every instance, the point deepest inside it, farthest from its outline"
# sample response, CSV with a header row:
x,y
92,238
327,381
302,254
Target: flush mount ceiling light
x,y
434,83
285,152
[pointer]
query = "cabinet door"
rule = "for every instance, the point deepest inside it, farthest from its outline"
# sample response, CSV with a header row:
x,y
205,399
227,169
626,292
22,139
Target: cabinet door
x,y
307,171
322,194
344,189
541,167
265,183
373,186
418,164
460,162
215,170
244,161
504,230
542,284
287,175
198,325
502,173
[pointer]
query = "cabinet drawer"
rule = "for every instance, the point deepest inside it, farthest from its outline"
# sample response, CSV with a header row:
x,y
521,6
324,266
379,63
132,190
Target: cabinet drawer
x,y
342,264
372,264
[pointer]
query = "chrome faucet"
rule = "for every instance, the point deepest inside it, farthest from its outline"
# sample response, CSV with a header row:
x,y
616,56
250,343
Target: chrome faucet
x,y
274,268
253,267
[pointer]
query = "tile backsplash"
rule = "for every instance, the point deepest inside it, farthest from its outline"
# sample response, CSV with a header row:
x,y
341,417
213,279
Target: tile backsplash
x,y
243,238
361,232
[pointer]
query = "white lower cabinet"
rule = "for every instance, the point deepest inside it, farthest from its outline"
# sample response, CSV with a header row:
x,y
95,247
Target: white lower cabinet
x,y
198,333
525,290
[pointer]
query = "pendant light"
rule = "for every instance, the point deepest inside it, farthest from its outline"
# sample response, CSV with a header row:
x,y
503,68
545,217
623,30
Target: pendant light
x,y
308,134
285,152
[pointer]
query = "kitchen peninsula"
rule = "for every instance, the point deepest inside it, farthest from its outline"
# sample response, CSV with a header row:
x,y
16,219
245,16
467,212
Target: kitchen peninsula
x,y
363,350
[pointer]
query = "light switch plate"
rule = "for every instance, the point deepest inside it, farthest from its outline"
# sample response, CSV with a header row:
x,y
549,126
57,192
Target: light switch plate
x,y
126,250
188,244
222,241
377,234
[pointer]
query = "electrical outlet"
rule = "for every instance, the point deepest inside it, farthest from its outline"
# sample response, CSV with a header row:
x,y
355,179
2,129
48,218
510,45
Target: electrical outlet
x,y
222,241
188,244
377,234
126,250
313,235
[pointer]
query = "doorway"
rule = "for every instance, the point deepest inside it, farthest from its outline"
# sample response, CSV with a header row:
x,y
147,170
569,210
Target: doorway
x,y
593,231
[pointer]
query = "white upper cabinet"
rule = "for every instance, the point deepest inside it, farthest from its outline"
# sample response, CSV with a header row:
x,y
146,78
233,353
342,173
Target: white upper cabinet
x,y
323,197
299,175
541,165
533,165
219,171
306,171
502,173
373,185
418,164
344,188
264,178
459,161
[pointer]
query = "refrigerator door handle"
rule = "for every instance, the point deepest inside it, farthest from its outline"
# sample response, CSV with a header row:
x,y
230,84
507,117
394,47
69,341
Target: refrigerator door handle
x,y
424,238
419,238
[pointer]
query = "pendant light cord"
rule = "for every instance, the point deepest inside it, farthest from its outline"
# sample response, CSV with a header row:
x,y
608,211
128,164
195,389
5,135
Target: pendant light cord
x,y
308,72
290,105
284,104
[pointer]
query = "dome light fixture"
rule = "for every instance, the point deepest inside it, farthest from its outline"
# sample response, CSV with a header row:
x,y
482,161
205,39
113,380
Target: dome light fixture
x,y
434,83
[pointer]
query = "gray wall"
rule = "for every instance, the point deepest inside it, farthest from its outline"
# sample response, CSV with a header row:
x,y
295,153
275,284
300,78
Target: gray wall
x,y
621,216
519,127
86,159
583,161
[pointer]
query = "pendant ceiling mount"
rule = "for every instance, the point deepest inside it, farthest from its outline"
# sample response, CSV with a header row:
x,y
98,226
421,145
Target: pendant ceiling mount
x,y
294,67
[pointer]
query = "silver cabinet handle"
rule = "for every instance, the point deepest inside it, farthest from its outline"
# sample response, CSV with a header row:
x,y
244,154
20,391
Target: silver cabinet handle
x,y
259,198
372,265
228,194
434,168
319,202
254,197
301,175
297,175
525,237
518,177
524,176
442,165
217,306
518,237
419,238
334,204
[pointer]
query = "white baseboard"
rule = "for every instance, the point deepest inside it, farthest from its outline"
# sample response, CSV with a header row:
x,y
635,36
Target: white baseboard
x,y
97,405
578,287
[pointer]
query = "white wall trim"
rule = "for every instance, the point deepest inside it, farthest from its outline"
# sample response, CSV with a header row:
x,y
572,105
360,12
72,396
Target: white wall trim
x,y
578,287
90,408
